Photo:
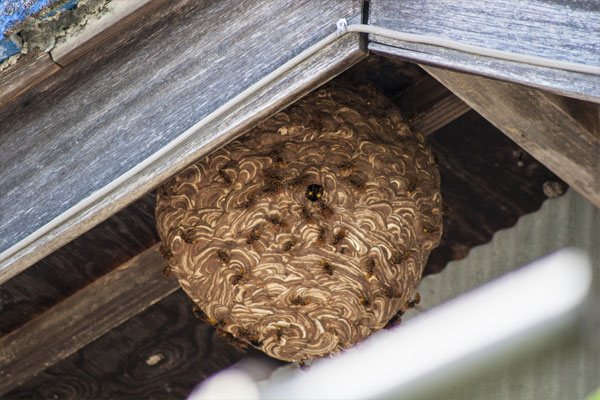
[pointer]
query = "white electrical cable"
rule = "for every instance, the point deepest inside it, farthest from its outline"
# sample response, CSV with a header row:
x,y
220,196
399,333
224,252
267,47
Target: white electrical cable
x,y
342,29
476,50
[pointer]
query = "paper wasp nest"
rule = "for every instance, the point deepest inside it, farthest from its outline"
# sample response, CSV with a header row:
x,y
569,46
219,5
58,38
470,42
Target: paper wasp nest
x,y
311,231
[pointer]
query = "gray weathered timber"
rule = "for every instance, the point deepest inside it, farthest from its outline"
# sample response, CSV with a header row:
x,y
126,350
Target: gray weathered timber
x,y
562,133
83,317
118,16
81,130
566,31
430,105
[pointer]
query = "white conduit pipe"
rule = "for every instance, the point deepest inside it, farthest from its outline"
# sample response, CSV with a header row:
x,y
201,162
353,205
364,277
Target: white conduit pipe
x,y
342,29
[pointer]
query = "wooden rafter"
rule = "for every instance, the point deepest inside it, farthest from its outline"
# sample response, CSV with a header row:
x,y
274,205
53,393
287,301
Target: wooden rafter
x,y
83,317
562,133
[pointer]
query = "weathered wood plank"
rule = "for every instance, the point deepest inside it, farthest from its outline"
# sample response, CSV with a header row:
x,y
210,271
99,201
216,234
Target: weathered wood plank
x,y
28,72
78,263
430,105
561,133
161,353
567,31
83,317
118,16
114,109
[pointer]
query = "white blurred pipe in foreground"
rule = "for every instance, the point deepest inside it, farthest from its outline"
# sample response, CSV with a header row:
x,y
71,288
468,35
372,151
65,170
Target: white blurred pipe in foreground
x,y
472,331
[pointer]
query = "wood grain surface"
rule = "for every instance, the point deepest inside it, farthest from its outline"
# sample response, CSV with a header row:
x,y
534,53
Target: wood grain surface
x,y
81,129
119,15
30,70
161,353
562,133
567,31
430,106
83,317
78,263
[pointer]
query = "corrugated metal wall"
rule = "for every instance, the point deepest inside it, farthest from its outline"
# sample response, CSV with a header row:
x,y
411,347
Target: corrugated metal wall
x,y
569,372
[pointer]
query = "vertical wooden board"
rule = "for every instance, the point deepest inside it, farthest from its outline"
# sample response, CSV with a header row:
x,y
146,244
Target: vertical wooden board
x,y
567,31
90,126
542,123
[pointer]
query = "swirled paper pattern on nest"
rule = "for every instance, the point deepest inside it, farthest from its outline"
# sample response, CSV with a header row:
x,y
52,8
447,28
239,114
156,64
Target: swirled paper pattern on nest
x,y
311,231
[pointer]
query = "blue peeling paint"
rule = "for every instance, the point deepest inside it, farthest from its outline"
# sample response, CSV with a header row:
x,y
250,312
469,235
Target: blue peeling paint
x,y
14,11
7,48
67,6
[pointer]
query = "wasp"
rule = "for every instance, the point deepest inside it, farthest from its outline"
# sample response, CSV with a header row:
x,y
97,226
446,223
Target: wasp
x,y
356,182
314,192
413,303
430,229
389,293
232,340
271,189
271,177
225,177
287,246
339,236
250,337
278,334
223,256
327,267
325,210
279,162
198,313
238,277
165,252
297,182
321,236
395,320
253,236
300,301
370,264
277,221
249,202
445,211
365,302
305,215
348,167
411,186
303,365
399,258
188,237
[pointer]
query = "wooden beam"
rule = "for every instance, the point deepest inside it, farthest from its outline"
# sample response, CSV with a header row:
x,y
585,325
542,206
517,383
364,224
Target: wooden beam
x,y
562,133
29,70
83,317
77,141
557,30
119,15
430,105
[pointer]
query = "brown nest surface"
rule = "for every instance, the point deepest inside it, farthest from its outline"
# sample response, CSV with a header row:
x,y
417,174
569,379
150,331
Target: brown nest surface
x,y
311,231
